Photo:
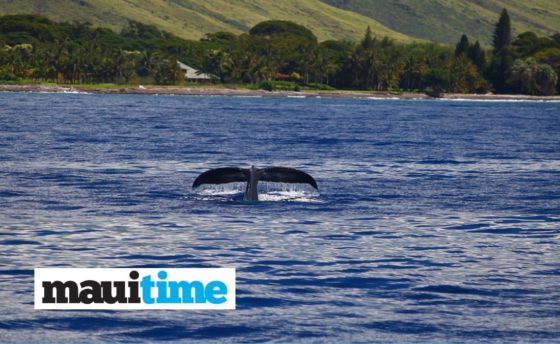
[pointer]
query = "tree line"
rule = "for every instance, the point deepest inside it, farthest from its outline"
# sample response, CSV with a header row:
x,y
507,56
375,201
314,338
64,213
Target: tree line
x,y
276,55
35,48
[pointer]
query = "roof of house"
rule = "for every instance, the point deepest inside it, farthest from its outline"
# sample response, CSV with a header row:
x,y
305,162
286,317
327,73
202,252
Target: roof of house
x,y
192,73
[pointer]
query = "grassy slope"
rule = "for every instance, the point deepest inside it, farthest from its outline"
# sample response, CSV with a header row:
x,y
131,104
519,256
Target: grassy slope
x,y
446,20
193,18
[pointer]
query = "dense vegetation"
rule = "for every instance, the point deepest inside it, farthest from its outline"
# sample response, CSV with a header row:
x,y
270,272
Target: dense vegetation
x,y
277,54
36,48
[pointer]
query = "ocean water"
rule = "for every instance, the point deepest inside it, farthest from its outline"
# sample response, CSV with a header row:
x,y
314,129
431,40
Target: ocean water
x,y
434,221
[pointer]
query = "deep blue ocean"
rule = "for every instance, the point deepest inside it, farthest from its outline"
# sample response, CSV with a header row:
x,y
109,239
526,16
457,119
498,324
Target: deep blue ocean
x,y
435,220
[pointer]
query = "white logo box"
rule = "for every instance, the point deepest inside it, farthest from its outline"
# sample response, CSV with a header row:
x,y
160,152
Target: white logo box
x,y
213,280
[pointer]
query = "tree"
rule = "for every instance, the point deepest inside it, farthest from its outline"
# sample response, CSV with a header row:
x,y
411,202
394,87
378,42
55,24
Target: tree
x,y
220,37
529,76
338,54
500,68
437,81
477,56
327,65
528,43
414,67
546,79
551,57
462,48
465,78
280,28
367,42
502,59
220,63
502,32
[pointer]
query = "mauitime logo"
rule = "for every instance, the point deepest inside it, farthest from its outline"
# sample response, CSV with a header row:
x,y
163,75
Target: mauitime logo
x,y
134,288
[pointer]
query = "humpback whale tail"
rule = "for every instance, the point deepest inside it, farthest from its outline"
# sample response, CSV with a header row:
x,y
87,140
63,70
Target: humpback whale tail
x,y
252,176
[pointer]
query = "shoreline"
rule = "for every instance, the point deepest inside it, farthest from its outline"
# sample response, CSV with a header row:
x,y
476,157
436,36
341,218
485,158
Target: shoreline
x,y
243,92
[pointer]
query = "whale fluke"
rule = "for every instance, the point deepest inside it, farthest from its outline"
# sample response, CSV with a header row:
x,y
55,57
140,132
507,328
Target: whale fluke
x,y
222,176
286,175
252,176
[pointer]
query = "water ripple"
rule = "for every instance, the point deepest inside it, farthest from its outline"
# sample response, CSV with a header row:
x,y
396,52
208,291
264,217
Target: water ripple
x,y
434,221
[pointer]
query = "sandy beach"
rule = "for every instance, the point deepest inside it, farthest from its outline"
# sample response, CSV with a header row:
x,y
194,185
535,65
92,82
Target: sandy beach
x,y
234,91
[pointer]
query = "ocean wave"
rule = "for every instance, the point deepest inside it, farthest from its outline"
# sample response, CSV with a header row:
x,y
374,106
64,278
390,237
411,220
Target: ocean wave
x,y
499,100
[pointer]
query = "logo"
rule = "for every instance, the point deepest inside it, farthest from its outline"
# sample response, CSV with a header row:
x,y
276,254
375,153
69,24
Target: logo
x,y
134,288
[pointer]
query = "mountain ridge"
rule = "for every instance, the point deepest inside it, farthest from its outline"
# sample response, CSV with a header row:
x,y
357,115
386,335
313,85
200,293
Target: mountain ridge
x,y
446,20
442,21
192,19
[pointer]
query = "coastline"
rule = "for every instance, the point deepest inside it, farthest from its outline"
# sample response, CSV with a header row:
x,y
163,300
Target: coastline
x,y
243,92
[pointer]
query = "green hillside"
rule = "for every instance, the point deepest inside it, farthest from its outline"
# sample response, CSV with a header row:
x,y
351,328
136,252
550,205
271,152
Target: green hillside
x,y
402,20
446,20
193,18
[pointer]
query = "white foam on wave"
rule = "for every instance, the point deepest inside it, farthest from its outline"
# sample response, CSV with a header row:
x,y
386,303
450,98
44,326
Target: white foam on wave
x,y
474,100
384,98
64,91
222,189
499,100
289,196
75,92
271,192
279,192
